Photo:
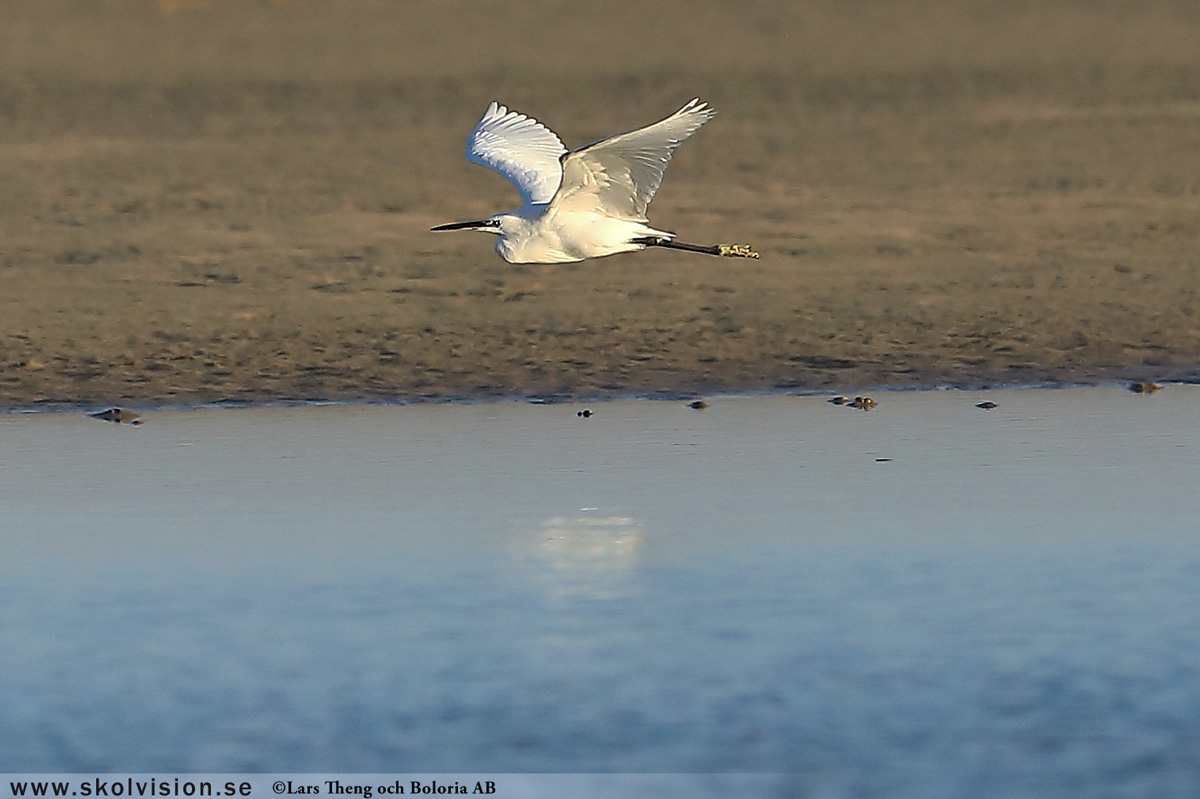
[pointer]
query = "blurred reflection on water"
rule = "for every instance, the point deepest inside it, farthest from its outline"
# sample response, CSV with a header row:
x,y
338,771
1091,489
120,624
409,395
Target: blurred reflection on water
x,y
593,556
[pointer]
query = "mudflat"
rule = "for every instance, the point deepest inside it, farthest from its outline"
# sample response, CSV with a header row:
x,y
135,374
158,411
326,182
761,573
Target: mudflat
x,y
231,200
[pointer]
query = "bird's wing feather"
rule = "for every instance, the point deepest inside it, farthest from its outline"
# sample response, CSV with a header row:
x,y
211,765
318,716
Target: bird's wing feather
x,y
619,175
521,149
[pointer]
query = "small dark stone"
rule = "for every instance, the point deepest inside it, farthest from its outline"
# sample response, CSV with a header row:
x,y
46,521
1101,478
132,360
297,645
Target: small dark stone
x,y
987,406
585,413
117,415
698,405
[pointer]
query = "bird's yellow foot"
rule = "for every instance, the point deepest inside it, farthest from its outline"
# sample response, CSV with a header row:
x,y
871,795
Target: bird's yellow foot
x,y
736,251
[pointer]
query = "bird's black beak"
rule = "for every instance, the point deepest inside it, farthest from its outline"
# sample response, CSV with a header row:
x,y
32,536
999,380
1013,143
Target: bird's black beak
x,y
480,224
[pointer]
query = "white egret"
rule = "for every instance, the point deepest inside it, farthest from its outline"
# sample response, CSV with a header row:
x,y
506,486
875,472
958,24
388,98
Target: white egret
x,y
584,203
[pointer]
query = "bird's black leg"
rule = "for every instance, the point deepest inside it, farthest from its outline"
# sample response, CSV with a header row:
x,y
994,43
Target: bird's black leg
x,y
728,250
654,241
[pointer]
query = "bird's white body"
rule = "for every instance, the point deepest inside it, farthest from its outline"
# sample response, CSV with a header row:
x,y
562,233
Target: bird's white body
x,y
544,234
578,204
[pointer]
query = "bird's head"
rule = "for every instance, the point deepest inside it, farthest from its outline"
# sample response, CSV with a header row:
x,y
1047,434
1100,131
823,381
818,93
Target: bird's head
x,y
512,231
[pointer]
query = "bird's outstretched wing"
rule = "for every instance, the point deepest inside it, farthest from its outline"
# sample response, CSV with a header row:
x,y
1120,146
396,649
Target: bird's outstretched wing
x,y
521,149
619,175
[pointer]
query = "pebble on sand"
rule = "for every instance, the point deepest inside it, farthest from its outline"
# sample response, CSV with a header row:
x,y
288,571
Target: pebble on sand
x,y
987,405
1144,387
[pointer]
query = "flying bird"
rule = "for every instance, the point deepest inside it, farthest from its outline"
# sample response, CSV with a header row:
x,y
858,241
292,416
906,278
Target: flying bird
x,y
584,203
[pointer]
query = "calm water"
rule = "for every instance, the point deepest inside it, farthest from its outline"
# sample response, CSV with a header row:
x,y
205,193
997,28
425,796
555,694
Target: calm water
x,y
924,600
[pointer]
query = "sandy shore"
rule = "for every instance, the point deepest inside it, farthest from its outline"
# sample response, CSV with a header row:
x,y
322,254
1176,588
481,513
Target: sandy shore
x,y
231,200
